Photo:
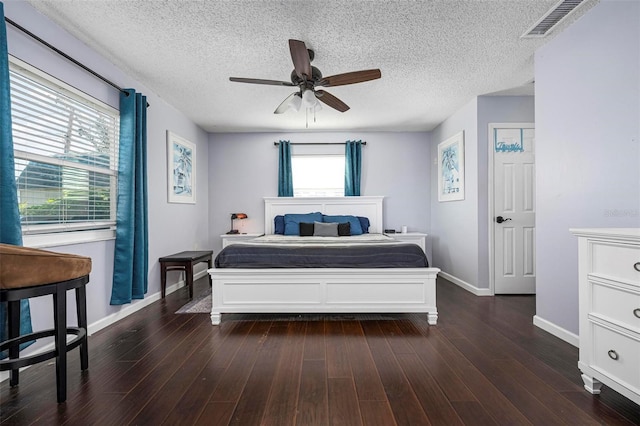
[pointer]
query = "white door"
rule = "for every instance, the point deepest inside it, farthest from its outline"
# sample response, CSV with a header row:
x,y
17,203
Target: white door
x,y
513,208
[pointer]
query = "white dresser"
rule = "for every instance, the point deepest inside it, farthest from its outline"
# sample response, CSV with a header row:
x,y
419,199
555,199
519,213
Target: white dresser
x,y
609,269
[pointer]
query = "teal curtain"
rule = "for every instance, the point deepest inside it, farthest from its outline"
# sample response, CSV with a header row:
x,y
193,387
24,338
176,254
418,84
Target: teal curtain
x,y
352,168
131,258
285,178
10,229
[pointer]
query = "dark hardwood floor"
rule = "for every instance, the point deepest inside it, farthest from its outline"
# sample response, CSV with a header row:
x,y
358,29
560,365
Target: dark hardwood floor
x,y
483,364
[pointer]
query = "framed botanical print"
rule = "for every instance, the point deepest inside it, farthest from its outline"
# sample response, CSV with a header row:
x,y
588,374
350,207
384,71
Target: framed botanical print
x,y
181,169
451,168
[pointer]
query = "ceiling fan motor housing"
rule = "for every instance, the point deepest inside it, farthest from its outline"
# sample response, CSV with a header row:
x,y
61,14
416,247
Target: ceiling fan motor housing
x,y
316,76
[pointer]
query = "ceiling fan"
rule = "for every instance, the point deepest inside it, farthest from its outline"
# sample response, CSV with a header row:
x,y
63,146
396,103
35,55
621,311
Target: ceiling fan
x,y
307,78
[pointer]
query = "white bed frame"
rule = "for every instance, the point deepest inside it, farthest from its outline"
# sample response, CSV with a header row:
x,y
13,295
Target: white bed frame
x,y
324,290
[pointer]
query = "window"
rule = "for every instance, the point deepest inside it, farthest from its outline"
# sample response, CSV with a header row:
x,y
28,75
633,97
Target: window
x,y
318,175
66,154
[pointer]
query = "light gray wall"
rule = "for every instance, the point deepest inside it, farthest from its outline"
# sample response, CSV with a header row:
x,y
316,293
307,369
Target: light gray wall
x,y
587,146
172,227
454,224
243,168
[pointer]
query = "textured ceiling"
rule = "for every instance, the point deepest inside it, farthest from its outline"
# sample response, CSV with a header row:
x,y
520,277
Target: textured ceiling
x,y
434,56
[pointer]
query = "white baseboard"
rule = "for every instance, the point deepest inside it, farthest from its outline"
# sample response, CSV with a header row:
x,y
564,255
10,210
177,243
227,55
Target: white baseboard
x,y
465,285
137,305
559,332
115,317
547,326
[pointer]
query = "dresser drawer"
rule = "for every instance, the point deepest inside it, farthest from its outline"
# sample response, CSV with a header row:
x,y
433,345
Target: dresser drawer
x,y
616,261
616,304
626,368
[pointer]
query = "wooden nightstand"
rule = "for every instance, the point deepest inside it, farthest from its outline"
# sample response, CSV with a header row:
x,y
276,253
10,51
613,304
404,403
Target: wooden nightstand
x,y
410,237
228,239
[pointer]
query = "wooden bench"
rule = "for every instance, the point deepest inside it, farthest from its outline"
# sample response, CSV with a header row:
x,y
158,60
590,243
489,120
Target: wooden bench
x,y
183,261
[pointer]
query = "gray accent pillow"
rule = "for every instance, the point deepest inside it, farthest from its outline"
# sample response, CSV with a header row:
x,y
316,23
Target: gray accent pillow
x,y
322,229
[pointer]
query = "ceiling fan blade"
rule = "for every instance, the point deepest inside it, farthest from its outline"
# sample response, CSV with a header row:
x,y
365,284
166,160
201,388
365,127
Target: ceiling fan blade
x,y
300,57
330,100
261,81
284,106
349,78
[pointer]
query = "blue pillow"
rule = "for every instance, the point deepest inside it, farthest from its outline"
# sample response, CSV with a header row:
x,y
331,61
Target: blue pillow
x,y
292,221
278,225
356,228
364,224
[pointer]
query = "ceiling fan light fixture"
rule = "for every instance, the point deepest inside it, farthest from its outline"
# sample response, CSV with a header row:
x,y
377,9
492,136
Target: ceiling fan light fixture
x,y
309,99
295,103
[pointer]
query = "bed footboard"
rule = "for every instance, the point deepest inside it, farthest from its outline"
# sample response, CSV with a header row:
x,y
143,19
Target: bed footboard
x,y
311,290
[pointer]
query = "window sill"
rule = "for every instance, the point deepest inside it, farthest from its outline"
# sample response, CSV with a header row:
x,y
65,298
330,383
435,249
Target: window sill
x,y
67,238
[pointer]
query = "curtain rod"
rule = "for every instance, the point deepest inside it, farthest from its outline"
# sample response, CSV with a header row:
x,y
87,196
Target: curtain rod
x,y
316,143
61,53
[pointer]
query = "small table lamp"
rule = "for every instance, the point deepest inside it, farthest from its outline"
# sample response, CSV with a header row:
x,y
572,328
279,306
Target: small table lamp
x,y
236,216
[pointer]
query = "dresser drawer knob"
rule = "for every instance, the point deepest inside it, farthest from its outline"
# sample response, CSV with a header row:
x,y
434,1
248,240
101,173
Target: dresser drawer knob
x,y
613,355
636,266
636,312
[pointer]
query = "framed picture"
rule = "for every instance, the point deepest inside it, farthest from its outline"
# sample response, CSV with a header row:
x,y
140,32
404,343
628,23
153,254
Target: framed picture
x,y
451,168
181,169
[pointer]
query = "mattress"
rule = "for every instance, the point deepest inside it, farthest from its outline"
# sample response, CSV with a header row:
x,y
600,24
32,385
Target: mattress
x,y
361,251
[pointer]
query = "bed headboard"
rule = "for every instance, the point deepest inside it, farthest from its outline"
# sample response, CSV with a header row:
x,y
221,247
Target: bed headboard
x,y
367,206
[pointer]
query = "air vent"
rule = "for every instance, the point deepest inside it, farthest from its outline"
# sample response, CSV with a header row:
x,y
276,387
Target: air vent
x,y
552,18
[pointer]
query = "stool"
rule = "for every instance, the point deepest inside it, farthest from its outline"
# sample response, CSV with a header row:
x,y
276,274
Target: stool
x,y
183,261
26,273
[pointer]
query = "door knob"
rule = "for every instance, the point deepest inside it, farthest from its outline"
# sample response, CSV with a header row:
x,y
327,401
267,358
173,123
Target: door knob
x,y
501,219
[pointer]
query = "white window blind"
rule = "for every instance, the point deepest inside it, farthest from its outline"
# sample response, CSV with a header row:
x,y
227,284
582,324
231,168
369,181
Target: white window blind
x,y
66,154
